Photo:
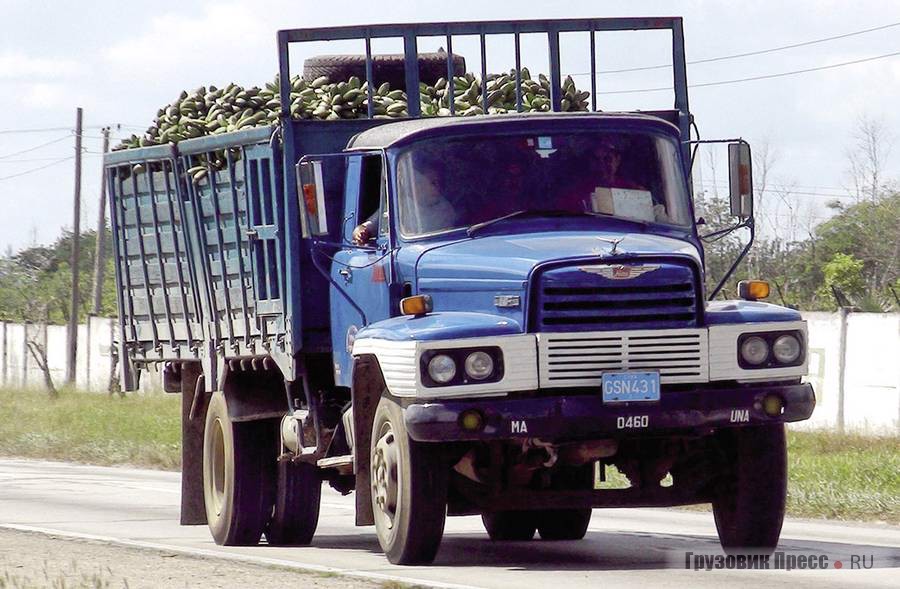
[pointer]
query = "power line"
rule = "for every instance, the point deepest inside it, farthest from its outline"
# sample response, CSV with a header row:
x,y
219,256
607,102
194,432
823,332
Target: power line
x,y
784,188
36,147
41,130
59,161
754,78
748,53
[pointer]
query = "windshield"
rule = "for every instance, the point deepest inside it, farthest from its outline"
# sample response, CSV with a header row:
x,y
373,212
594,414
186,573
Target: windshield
x,y
446,184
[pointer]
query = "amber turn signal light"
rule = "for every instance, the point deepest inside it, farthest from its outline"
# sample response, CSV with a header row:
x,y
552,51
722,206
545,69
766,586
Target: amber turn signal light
x,y
753,290
417,305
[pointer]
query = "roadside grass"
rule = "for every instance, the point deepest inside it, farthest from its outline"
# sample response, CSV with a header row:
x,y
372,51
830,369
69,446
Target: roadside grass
x,y
844,476
835,476
140,429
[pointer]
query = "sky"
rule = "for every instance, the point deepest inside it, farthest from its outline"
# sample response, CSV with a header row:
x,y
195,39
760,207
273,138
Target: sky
x,y
123,60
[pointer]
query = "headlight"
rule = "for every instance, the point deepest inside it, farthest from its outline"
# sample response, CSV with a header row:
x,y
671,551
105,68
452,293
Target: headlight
x,y
754,350
479,365
787,349
442,368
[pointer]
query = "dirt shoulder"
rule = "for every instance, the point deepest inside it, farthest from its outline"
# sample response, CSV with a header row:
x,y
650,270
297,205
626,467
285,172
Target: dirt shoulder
x,y
32,560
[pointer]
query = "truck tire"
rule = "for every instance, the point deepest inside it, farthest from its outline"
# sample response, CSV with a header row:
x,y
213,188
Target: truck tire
x,y
750,500
238,475
409,490
510,526
386,68
563,524
298,493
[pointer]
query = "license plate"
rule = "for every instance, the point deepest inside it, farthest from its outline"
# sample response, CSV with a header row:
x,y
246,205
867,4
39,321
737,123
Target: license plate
x,y
624,387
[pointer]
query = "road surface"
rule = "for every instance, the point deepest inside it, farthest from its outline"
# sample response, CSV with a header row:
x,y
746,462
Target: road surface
x,y
623,547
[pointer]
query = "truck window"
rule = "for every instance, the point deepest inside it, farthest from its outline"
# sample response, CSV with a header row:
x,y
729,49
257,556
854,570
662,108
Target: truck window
x,y
370,197
445,184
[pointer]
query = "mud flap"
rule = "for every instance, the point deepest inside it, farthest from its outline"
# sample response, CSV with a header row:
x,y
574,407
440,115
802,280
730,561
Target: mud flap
x,y
193,506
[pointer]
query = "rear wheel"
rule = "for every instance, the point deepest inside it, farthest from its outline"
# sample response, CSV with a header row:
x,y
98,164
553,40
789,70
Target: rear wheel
x,y
563,524
515,526
238,475
297,496
409,490
750,500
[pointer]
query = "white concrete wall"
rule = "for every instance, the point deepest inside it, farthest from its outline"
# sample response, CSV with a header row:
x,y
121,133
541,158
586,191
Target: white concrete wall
x,y
872,374
871,384
18,367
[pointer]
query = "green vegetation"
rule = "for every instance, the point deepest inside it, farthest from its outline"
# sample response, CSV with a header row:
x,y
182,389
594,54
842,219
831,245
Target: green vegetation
x,y
36,282
141,430
831,475
844,476
856,251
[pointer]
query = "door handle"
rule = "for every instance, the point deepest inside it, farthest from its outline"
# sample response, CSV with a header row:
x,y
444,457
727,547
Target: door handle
x,y
346,273
251,234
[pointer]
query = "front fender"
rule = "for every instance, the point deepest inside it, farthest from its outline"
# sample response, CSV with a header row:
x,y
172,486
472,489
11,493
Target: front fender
x,y
399,343
445,325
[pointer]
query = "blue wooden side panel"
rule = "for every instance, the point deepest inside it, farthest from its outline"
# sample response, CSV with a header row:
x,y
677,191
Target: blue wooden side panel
x,y
200,261
158,300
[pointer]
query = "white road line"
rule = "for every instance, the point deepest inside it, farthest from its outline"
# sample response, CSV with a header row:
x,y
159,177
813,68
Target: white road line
x,y
297,566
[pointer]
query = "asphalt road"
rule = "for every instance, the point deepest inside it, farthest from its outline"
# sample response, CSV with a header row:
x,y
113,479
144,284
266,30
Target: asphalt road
x,y
635,547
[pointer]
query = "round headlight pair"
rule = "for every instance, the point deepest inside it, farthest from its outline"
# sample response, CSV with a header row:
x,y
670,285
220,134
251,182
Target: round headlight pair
x,y
478,365
755,350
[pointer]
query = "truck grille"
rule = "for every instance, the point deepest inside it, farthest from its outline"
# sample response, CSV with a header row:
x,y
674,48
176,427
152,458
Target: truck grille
x,y
586,298
570,360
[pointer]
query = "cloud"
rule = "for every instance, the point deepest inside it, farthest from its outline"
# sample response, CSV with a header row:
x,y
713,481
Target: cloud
x,y
14,65
223,30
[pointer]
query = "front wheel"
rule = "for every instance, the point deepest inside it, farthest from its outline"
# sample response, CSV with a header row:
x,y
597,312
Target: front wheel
x,y
238,475
409,490
750,500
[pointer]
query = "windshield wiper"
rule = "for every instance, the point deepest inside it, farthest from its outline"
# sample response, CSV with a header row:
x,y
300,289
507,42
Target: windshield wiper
x,y
640,222
536,212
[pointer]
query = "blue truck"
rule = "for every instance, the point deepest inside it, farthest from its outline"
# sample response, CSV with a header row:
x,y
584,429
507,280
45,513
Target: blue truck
x,y
454,315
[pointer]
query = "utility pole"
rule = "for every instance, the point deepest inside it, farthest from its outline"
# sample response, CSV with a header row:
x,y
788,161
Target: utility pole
x,y
72,343
99,250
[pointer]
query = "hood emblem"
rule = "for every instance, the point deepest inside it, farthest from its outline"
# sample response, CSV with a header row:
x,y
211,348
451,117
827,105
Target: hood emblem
x,y
615,244
618,271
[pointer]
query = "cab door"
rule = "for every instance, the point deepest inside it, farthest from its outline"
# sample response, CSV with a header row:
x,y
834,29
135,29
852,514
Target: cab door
x,y
360,275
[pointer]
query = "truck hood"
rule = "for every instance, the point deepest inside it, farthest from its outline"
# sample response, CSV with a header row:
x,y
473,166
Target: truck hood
x,y
469,275
513,257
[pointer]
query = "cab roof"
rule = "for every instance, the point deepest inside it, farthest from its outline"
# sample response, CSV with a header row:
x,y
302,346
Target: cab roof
x,y
405,131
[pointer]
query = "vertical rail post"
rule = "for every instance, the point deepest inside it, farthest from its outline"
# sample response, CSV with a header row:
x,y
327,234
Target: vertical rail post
x,y
229,159
140,239
517,44
484,93
284,76
555,76
411,56
176,244
163,283
220,238
593,69
370,83
679,67
451,74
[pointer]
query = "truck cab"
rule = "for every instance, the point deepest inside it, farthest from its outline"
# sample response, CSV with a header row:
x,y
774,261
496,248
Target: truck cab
x,y
454,315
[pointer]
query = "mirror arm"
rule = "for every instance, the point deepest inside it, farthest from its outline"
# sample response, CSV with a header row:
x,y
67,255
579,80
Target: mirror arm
x,y
749,224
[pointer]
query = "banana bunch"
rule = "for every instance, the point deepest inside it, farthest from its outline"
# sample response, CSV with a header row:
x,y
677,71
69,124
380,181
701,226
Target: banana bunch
x,y
467,95
212,111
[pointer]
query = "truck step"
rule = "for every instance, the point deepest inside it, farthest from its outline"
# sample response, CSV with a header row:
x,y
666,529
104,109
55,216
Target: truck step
x,y
343,464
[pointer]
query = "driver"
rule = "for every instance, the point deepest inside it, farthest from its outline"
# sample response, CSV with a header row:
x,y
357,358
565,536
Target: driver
x,y
428,209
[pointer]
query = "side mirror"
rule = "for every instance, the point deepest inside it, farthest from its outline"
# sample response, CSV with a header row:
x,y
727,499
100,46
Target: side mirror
x,y
740,179
311,191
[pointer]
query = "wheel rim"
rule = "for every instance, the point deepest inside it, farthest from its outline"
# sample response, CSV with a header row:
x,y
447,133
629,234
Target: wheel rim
x,y
386,477
218,466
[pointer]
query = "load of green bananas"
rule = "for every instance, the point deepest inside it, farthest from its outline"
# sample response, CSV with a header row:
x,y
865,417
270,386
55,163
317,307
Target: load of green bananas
x,y
212,110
